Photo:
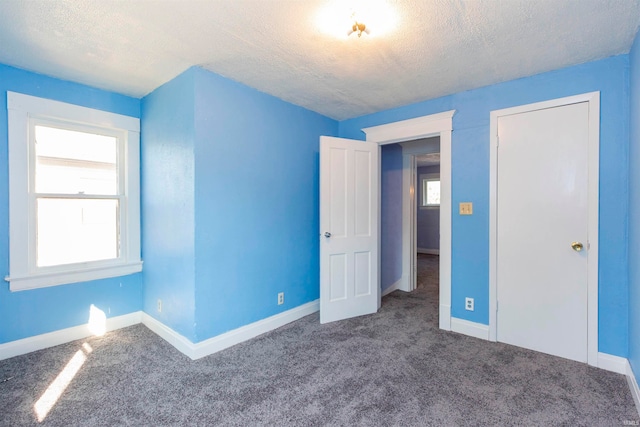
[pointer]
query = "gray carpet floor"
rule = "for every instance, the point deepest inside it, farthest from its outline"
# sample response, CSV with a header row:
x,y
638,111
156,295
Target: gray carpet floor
x,y
393,368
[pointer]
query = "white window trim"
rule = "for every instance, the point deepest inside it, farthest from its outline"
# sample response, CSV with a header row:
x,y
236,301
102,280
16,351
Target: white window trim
x,y
23,273
427,177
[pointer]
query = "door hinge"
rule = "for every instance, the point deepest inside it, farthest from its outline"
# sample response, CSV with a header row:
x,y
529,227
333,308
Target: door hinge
x,y
497,306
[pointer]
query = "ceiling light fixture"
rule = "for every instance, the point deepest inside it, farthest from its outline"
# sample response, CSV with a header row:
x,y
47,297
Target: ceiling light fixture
x,y
358,27
342,18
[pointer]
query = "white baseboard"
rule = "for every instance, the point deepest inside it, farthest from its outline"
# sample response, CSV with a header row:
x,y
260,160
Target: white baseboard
x,y
181,343
633,385
473,329
428,251
231,338
612,363
445,317
392,288
244,333
620,365
62,336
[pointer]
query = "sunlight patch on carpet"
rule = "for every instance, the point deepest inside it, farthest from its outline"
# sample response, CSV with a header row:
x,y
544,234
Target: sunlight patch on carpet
x,y
51,395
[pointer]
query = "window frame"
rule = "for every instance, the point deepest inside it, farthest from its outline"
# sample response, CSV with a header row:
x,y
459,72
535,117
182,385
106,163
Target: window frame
x,y
423,196
24,112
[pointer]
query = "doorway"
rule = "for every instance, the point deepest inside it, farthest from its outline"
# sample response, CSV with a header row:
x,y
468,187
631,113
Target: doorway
x,y
426,222
544,227
422,159
427,200
435,125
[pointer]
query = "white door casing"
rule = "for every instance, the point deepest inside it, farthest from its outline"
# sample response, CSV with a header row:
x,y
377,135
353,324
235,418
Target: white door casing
x,y
349,228
544,167
440,124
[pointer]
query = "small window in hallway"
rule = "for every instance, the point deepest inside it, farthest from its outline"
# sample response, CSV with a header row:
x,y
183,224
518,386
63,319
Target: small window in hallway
x,y
430,192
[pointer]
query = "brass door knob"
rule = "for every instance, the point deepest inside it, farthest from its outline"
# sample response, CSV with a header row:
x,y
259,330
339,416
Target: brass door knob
x,y
577,246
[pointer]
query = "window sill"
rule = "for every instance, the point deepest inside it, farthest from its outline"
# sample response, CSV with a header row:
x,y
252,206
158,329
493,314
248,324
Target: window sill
x,y
23,283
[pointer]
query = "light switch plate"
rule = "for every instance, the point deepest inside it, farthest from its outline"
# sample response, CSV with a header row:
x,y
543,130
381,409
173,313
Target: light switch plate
x,y
466,208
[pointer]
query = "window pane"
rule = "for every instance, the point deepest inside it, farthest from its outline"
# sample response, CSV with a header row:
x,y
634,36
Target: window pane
x,y
72,162
76,230
433,192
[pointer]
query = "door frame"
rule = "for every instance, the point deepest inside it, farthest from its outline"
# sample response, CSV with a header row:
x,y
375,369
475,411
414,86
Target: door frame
x,y
440,124
593,178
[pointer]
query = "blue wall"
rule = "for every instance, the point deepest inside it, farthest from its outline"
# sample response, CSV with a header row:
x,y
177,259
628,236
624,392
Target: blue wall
x,y
230,191
257,206
168,206
244,168
634,211
390,215
27,313
470,181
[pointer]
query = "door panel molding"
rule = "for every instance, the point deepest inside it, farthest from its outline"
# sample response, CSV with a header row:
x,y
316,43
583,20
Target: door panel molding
x,y
349,243
593,100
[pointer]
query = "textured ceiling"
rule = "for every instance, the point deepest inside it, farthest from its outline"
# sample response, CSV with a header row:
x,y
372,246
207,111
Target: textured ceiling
x,y
439,46
431,159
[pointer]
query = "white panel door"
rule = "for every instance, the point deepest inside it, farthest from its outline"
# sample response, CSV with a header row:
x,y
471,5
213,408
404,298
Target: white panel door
x,y
541,221
348,228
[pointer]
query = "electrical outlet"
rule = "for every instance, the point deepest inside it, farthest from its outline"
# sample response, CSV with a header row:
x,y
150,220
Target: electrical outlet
x,y
468,304
281,298
159,306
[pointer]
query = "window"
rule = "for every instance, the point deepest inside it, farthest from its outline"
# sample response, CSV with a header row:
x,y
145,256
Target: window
x,y
74,207
431,192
